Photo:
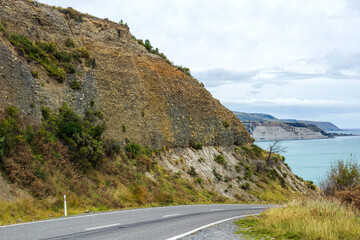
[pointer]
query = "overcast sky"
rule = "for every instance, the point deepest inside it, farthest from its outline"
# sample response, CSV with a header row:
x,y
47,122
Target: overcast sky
x,y
293,59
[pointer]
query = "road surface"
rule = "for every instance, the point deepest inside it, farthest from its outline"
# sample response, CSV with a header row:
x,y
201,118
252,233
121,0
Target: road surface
x,y
146,223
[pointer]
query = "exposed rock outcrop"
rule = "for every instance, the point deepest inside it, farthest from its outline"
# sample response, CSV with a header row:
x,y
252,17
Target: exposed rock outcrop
x,y
264,131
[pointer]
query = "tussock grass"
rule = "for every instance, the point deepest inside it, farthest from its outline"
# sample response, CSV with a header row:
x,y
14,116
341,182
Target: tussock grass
x,y
305,219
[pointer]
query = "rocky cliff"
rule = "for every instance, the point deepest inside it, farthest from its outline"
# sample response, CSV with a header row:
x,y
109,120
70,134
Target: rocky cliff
x,y
155,102
264,131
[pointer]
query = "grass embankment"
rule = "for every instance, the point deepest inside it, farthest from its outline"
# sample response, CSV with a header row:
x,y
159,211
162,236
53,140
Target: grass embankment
x,y
304,219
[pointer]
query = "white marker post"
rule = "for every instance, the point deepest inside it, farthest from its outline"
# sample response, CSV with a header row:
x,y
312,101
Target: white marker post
x,y
65,210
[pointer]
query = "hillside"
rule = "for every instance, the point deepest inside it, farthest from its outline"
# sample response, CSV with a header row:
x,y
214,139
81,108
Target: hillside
x,y
325,126
89,111
255,117
159,104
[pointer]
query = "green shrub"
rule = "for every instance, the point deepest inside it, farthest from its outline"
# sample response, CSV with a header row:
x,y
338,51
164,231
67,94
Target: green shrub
x,y
69,43
197,146
257,150
310,185
124,128
220,159
238,168
192,172
90,62
35,74
248,173
245,186
135,149
199,180
75,85
147,45
69,67
226,124
184,70
3,27
63,56
81,135
217,175
72,13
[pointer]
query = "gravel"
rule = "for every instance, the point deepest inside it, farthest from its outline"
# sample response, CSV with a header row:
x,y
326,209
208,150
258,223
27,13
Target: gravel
x,y
224,230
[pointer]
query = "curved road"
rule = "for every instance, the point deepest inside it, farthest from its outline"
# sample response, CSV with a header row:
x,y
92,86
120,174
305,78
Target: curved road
x,y
146,223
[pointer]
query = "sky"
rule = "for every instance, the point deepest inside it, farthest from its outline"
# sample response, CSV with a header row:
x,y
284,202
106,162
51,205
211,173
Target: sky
x,y
292,59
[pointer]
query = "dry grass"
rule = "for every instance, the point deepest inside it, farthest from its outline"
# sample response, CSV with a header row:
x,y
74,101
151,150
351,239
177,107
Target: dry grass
x,y
305,219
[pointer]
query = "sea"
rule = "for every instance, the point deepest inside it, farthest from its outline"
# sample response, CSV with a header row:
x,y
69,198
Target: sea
x,y
312,159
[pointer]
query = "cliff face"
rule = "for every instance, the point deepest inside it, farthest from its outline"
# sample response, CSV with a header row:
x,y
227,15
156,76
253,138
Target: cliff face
x,y
264,131
143,98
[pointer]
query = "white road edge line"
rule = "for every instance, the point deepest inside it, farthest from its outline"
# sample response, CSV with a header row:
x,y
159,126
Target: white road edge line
x,y
110,225
171,215
213,210
208,225
81,216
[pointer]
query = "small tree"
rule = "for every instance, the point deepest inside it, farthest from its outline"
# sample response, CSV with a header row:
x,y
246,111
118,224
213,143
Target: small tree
x,y
147,45
276,148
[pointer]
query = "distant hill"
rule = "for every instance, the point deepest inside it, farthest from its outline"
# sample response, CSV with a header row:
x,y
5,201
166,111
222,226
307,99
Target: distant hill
x,y
256,117
325,126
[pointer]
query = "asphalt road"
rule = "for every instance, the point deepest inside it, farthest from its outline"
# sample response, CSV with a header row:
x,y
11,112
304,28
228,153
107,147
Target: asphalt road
x,y
146,223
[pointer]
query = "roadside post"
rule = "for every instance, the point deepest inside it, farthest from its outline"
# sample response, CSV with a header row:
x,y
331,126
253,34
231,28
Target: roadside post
x,y
65,210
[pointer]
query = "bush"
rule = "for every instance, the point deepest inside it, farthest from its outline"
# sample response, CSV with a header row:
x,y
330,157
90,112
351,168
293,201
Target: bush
x,y
226,124
220,159
75,85
217,175
192,172
135,149
147,45
69,43
197,146
342,175
69,67
257,150
2,27
245,186
72,13
34,73
351,197
81,135
90,62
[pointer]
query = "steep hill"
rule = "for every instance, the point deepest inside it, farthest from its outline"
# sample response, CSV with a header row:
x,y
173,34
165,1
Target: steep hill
x,y
157,103
89,111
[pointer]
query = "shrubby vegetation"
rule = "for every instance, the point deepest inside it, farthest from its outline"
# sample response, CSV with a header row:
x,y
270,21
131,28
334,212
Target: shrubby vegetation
x,y
57,62
67,154
156,51
343,182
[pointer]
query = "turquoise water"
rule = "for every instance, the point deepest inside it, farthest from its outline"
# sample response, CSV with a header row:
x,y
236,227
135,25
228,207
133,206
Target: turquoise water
x,y
311,159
